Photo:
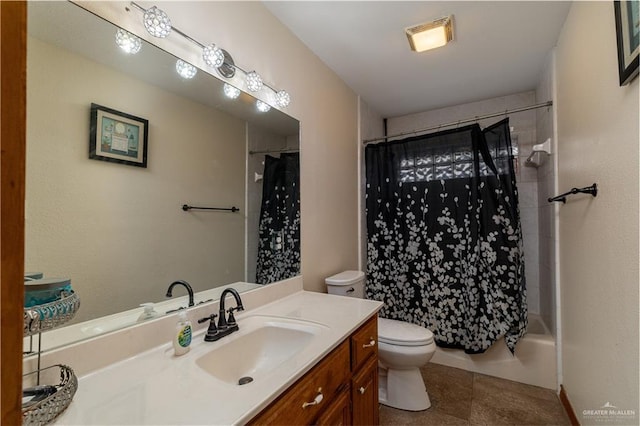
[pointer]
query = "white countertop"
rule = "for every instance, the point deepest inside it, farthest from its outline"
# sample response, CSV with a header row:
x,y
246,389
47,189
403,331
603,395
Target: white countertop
x,y
156,387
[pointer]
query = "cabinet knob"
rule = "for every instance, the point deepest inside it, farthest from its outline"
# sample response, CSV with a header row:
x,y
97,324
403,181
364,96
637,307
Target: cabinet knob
x,y
363,389
317,400
371,343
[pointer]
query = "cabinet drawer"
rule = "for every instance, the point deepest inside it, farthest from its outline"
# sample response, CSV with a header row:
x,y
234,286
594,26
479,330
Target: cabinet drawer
x,y
328,379
364,343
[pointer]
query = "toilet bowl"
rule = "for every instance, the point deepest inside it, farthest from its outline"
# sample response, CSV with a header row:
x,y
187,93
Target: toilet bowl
x,y
402,349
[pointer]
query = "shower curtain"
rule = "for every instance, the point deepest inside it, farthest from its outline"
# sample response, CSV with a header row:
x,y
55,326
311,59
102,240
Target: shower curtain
x,y
279,228
444,242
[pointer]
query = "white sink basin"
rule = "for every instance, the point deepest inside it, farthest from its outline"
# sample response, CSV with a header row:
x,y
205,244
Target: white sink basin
x,y
262,344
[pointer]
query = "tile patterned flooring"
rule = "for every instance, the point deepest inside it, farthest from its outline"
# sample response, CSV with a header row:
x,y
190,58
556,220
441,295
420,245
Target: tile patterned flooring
x,y
460,397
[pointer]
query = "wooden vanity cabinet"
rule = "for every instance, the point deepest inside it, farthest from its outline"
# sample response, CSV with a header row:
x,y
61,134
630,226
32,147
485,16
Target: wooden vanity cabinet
x,y
342,389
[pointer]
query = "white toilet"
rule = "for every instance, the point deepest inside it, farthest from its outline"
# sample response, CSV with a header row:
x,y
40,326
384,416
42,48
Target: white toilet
x,y
402,349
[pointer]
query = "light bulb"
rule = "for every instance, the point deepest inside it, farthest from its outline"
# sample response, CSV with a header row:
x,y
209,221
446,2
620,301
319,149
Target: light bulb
x,y
254,81
213,55
128,42
282,99
230,91
185,69
157,22
262,106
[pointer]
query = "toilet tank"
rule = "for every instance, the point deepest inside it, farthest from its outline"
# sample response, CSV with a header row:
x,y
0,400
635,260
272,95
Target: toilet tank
x,y
347,283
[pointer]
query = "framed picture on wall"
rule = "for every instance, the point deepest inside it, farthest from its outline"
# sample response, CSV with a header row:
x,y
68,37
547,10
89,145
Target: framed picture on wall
x,y
627,17
117,137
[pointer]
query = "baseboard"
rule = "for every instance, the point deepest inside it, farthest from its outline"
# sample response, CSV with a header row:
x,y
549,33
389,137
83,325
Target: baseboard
x,y
564,399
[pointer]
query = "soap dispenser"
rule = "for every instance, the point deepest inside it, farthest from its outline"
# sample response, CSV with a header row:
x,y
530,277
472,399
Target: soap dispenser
x,y
182,338
148,313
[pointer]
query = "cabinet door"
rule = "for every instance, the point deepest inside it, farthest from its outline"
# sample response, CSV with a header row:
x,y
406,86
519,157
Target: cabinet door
x,y
339,412
364,394
364,343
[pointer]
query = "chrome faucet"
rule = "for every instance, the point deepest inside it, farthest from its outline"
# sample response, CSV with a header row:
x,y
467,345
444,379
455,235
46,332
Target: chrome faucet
x,y
186,285
226,324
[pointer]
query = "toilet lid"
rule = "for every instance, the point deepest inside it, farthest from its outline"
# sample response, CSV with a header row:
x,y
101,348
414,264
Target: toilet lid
x,y
402,333
345,278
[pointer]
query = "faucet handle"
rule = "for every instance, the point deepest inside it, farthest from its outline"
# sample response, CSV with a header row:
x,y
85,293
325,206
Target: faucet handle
x,y
231,320
212,331
209,318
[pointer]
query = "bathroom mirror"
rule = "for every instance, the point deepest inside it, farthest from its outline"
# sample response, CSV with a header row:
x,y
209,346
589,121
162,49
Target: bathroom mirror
x,y
118,230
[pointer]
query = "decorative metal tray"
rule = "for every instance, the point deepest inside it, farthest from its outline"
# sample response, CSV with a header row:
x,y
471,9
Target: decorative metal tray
x,y
59,397
44,317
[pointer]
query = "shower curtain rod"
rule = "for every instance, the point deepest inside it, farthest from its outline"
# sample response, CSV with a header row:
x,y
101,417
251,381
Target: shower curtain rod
x,y
456,123
274,151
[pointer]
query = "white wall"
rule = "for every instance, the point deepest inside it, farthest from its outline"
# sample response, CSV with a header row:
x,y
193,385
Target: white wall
x,y
324,105
524,131
371,127
119,231
597,142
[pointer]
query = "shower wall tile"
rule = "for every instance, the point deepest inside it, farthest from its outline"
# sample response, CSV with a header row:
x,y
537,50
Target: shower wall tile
x,y
547,265
545,220
545,252
526,135
527,173
526,140
519,99
546,189
530,247
547,272
533,299
548,301
529,221
523,120
531,258
527,195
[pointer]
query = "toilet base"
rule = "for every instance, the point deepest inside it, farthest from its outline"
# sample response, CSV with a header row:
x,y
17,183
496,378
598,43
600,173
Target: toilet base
x,y
403,389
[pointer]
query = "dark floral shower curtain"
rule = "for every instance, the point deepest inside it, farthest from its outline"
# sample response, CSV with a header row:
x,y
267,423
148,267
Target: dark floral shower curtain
x,y
444,238
279,228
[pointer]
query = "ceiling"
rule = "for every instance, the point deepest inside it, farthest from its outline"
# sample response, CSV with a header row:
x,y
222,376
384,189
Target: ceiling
x,y
499,48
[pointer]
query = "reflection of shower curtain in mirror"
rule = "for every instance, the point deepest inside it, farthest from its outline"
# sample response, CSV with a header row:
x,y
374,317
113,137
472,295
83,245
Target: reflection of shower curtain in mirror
x,y
279,228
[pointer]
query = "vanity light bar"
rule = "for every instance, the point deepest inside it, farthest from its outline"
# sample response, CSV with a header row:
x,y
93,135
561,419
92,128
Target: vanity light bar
x,y
128,42
252,78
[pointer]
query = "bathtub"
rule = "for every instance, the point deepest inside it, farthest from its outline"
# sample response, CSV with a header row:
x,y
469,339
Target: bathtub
x,y
534,362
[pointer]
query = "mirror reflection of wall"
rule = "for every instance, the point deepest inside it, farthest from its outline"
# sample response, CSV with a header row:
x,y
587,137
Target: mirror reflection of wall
x,y
118,231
